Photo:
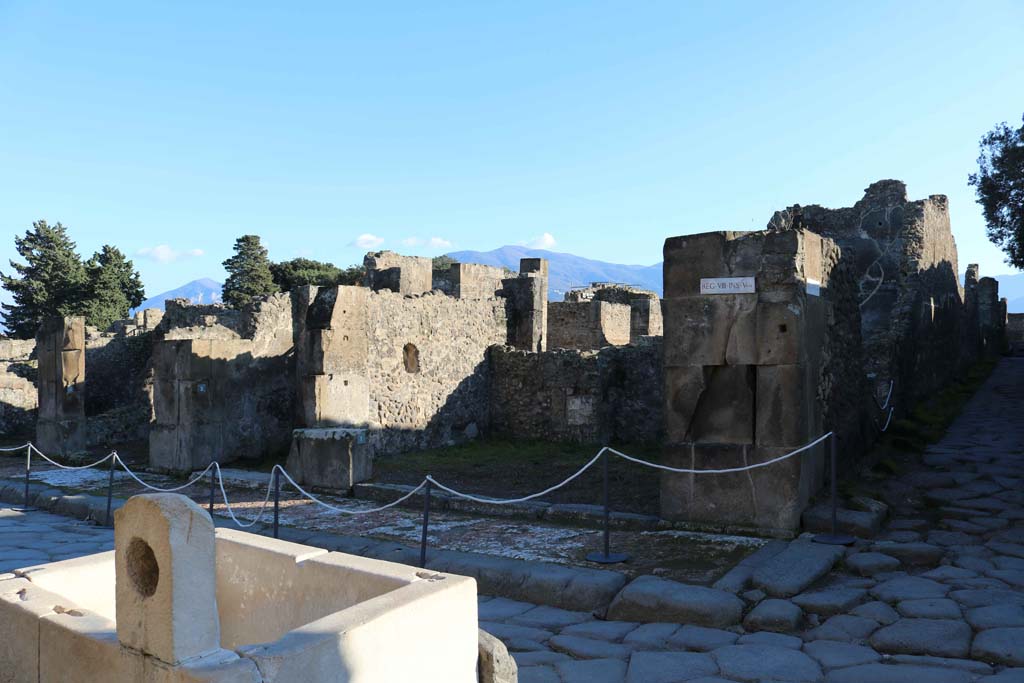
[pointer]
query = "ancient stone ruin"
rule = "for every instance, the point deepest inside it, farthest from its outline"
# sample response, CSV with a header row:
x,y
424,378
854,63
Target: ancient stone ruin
x,y
764,341
177,600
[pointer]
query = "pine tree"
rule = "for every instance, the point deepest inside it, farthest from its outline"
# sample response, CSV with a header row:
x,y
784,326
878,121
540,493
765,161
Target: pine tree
x,y
999,184
302,271
114,287
52,281
249,274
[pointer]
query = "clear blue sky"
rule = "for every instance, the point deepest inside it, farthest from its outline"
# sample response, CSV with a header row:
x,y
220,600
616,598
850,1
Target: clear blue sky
x,y
168,129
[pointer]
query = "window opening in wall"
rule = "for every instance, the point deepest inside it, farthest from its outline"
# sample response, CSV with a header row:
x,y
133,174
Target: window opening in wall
x,y
411,356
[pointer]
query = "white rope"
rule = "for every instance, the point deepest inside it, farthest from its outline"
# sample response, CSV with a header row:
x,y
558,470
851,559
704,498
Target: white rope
x,y
887,421
881,279
227,504
345,511
108,456
888,395
11,449
157,488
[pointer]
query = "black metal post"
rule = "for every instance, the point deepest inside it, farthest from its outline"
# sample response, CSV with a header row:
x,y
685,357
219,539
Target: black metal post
x,y
110,487
426,524
607,557
28,468
213,474
277,500
834,538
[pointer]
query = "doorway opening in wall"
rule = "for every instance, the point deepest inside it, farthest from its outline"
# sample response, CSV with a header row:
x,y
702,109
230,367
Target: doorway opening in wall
x,y
411,357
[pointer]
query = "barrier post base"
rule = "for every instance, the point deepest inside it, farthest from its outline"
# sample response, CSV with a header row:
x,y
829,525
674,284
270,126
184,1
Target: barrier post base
x,y
609,558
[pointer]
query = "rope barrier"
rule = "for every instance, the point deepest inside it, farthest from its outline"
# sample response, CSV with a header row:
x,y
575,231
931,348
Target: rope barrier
x,y
428,480
887,421
11,449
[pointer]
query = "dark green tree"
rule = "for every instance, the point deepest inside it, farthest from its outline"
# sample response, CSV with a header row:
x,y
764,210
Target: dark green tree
x,y
52,281
114,287
442,262
999,184
302,271
248,273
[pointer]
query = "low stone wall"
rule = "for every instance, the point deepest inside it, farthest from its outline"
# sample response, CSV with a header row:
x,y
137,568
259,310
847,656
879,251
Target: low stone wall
x,y
19,397
587,325
610,395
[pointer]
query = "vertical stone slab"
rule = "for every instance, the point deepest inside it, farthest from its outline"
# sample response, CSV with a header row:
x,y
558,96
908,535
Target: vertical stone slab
x,y
164,555
61,426
400,274
527,305
744,324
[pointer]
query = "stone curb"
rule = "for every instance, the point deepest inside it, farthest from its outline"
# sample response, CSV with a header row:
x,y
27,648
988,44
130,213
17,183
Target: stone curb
x,y
572,588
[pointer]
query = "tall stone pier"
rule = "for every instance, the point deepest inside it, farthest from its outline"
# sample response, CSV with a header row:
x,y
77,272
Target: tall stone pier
x,y
748,368
60,345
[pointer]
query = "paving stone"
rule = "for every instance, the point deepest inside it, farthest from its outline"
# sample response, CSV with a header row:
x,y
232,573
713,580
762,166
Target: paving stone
x,y
601,630
1000,645
795,568
975,564
538,674
877,610
897,673
760,662
938,637
650,636
588,648
1005,562
921,554
909,588
1012,577
551,618
834,655
510,631
900,536
974,667
996,616
497,609
773,639
964,526
950,538
1005,676
976,597
701,639
539,658
652,597
930,608
669,667
524,645
592,671
773,615
830,600
844,627
948,572
909,524
868,564
990,522
862,523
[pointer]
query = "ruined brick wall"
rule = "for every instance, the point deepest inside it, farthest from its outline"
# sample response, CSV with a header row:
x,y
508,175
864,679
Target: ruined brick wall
x,y
398,273
603,396
18,394
903,255
427,367
586,325
1015,333
645,306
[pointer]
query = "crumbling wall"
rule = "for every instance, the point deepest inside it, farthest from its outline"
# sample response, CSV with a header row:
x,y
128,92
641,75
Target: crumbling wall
x,y
904,257
427,367
526,305
645,306
609,395
588,325
19,397
398,273
60,349
1015,333
223,383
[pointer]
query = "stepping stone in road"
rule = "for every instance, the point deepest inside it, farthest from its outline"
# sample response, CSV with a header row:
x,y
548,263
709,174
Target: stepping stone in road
x,y
651,596
669,667
795,568
938,637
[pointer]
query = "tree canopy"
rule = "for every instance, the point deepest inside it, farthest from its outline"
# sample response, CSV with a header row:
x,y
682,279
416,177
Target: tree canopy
x,y
301,271
249,274
54,281
999,184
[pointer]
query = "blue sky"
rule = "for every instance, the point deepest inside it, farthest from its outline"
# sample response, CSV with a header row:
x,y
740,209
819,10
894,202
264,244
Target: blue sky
x,y
168,129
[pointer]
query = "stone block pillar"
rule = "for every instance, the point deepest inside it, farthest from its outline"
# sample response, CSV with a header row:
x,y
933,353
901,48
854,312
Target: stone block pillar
x,y
527,305
744,324
164,562
401,274
991,318
60,344
332,449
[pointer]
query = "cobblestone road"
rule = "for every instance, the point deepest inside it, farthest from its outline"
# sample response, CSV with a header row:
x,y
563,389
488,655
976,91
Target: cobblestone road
x,y
938,597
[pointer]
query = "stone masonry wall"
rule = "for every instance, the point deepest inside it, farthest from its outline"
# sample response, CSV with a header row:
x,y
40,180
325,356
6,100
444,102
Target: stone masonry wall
x,y
428,373
1015,333
609,395
587,325
18,395
645,306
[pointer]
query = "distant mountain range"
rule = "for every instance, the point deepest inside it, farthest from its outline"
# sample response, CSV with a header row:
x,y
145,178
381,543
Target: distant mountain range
x,y
201,291
566,270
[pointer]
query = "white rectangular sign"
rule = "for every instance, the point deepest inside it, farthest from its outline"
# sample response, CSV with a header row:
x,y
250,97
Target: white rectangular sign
x,y
727,285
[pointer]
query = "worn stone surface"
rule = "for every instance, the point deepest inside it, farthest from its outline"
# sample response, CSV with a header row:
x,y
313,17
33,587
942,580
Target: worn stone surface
x,y
650,598
938,637
669,667
773,615
764,662
1000,645
795,568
